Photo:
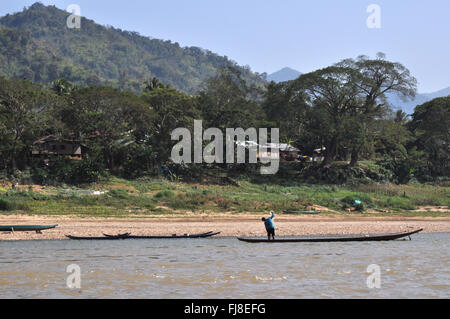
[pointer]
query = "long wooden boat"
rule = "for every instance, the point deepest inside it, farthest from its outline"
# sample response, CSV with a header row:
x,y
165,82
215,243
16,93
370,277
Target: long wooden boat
x,y
186,236
126,235
23,228
329,239
129,236
116,237
172,236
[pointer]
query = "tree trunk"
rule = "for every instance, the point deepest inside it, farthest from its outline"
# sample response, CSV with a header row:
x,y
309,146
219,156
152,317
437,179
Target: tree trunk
x,y
355,158
13,159
330,152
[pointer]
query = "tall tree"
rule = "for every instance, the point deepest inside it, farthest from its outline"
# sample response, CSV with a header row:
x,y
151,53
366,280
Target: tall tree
x,y
22,115
105,118
228,101
63,87
392,136
352,94
378,77
171,109
153,84
285,108
431,126
333,91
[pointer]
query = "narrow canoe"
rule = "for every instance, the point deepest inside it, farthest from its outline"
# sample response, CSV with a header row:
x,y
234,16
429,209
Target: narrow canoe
x,y
116,237
21,228
129,236
153,237
327,239
186,236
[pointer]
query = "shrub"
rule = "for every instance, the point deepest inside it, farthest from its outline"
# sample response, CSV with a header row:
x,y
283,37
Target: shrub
x,y
350,201
6,205
68,171
119,193
399,203
207,192
426,201
224,203
165,194
343,174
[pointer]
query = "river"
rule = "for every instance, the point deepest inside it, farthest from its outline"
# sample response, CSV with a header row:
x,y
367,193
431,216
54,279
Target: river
x,y
226,268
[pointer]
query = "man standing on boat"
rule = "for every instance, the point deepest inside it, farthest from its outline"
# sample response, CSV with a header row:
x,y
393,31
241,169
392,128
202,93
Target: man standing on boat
x,y
270,227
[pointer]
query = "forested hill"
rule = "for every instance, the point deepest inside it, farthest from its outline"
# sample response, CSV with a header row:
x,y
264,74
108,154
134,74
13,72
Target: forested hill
x,y
37,44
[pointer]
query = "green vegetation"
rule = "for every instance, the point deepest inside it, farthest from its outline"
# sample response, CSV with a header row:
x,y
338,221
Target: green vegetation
x,y
6,205
156,197
37,44
129,135
116,97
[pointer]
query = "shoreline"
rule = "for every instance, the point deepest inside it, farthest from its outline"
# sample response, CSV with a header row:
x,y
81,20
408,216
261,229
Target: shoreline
x,y
229,226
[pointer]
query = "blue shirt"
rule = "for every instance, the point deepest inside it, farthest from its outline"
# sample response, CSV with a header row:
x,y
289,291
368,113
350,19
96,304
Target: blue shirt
x,y
269,222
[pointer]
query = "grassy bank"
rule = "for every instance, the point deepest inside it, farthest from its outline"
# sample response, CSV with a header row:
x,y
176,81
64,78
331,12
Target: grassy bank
x,y
158,197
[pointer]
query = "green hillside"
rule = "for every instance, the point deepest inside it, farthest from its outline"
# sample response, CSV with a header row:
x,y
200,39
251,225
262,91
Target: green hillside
x,y
37,44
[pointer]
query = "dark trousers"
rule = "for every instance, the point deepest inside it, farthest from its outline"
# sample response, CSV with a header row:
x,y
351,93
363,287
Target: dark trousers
x,y
271,233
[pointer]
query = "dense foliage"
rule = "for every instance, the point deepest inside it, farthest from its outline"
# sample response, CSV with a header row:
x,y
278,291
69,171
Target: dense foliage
x,y
128,135
120,95
37,44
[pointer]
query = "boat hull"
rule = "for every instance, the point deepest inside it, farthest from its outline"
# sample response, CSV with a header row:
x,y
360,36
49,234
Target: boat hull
x,y
128,236
23,228
385,237
206,235
97,238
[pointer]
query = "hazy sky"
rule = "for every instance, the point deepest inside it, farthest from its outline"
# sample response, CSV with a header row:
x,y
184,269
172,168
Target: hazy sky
x,y
304,35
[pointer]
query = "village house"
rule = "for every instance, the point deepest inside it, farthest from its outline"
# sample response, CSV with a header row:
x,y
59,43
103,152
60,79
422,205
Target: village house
x,y
284,152
50,146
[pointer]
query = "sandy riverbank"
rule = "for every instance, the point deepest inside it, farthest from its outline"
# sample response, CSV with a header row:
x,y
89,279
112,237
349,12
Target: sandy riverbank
x,y
241,225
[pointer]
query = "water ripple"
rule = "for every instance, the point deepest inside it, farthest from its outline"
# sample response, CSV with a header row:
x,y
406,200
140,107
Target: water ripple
x,y
226,269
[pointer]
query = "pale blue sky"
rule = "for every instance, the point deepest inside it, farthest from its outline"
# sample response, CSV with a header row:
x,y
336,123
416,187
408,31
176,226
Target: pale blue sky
x,y
304,35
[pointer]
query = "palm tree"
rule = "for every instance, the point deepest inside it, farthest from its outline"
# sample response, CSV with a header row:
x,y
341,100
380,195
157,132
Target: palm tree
x,y
63,87
153,84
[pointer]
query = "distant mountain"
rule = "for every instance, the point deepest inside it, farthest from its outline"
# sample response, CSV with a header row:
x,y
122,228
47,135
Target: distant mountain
x,y
37,44
286,74
409,106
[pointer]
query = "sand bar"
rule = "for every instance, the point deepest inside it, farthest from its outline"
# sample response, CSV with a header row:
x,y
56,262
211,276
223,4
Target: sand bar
x,y
239,225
